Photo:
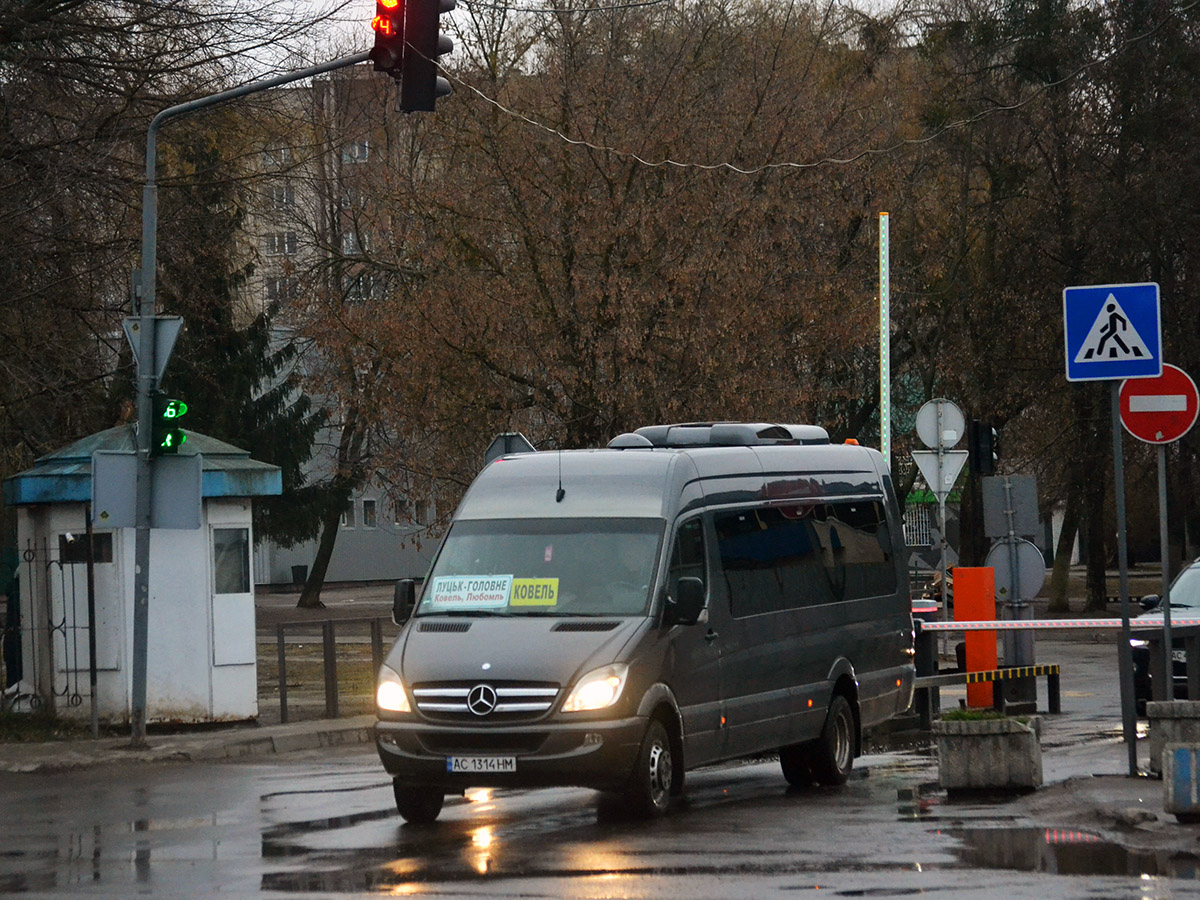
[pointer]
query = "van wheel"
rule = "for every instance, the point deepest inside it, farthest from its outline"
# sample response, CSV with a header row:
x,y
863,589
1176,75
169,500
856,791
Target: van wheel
x,y
418,805
795,761
649,792
833,753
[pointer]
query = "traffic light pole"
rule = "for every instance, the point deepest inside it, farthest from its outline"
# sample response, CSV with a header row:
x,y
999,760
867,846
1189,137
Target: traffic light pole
x,y
148,369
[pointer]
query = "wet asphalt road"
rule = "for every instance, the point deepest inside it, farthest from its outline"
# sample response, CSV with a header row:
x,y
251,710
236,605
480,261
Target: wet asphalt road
x,y
312,828
319,824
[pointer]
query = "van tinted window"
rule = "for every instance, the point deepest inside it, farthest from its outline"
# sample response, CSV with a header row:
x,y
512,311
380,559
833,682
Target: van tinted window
x,y
785,557
687,557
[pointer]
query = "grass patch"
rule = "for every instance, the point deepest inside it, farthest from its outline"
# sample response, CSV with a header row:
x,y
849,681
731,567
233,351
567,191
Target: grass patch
x,y
306,679
979,715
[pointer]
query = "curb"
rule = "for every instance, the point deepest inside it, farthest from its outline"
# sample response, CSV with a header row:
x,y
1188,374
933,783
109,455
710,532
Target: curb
x,y
272,739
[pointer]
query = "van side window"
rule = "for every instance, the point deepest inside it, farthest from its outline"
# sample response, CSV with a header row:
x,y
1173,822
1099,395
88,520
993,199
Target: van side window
x,y
787,557
687,556
865,543
771,559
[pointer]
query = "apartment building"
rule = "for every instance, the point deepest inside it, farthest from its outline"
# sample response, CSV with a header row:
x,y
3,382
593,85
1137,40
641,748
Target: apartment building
x,y
314,227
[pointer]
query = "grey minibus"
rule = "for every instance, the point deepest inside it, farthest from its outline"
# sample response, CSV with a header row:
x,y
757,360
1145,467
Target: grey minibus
x,y
609,618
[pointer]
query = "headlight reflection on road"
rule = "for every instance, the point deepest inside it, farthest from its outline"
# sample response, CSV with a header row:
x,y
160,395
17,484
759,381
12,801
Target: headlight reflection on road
x,y
482,840
482,797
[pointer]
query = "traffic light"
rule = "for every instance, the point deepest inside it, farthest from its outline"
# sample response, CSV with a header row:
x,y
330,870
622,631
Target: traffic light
x,y
420,84
983,446
165,434
388,25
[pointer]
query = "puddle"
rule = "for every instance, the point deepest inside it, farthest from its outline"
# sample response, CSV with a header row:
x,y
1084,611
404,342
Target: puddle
x,y
1062,851
918,801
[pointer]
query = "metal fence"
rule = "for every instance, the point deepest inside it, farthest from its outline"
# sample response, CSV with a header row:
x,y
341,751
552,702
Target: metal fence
x,y
332,654
48,641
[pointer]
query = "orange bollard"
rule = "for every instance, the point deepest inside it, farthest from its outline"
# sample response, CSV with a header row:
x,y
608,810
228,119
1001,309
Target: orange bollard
x,y
975,601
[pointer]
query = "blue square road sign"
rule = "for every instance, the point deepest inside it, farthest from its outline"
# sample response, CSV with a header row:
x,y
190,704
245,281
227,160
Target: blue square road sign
x,y
1112,331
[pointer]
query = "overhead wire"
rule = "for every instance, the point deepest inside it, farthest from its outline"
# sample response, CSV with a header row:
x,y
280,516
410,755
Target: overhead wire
x,y
554,10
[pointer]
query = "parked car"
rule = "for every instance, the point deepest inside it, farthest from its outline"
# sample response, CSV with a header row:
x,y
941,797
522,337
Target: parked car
x,y
1185,604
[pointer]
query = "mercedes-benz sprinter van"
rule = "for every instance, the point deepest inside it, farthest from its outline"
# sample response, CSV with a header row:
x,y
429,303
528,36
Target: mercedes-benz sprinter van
x,y
609,618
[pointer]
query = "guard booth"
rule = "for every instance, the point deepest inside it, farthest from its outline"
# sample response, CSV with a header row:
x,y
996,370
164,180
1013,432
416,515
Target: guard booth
x,y
201,655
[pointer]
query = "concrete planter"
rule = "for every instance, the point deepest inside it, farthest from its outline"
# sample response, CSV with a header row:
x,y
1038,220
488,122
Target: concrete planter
x,y
989,754
1171,722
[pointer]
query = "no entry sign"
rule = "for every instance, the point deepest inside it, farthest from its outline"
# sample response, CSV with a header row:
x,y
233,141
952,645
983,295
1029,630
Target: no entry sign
x,y
1159,410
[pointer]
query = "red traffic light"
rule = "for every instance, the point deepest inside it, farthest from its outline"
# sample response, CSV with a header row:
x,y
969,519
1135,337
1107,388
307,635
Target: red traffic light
x,y
388,26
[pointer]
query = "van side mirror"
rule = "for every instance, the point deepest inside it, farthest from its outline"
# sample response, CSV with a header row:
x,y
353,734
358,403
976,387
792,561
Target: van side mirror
x,y
404,598
687,604
1150,601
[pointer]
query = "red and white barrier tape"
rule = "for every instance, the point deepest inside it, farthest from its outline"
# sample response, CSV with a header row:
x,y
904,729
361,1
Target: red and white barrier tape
x,y
1047,624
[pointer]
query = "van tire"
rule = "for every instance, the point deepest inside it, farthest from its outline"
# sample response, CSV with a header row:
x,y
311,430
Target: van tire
x,y
796,762
649,792
418,805
832,755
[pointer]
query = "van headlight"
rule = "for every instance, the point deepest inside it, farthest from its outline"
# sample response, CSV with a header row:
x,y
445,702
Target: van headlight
x,y
598,689
389,692
1138,643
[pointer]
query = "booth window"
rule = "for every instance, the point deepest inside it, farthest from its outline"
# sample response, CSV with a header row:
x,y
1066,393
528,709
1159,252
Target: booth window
x,y
231,560
72,548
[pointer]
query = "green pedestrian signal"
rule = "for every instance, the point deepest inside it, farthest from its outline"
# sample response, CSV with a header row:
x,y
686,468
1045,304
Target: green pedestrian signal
x,y
165,434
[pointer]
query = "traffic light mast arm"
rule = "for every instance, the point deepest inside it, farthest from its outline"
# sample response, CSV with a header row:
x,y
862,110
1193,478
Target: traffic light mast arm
x,y
147,380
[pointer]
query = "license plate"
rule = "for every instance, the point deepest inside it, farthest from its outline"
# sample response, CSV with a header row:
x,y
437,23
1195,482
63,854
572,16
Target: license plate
x,y
1179,655
474,765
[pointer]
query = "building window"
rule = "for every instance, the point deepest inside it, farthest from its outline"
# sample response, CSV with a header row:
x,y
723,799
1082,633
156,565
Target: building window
x,y
348,516
283,196
355,242
413,512
361,287
369,514
231,560
356,151
72,548
281,288
282,243
277,157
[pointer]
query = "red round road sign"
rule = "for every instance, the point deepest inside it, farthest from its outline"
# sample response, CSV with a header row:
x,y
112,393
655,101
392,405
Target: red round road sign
x,y
1159,410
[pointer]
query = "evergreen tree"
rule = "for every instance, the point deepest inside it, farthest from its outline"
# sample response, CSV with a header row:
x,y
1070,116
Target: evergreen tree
x,y
233,365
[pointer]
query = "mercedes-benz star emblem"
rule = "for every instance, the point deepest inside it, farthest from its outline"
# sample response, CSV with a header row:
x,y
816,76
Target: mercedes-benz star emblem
x,y
482,699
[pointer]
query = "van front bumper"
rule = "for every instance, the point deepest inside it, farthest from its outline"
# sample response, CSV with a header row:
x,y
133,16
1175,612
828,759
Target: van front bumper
x,y
597,754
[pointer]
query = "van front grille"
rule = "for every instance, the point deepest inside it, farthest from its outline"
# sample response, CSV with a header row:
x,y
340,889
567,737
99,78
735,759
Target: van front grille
x,y
484,702
452,742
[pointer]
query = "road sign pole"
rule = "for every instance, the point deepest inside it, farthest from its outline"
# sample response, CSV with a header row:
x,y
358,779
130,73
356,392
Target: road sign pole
x,y
941,464
1124,651
1168,675
885,346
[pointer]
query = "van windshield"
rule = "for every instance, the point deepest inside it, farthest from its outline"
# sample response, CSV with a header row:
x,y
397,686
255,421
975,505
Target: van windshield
x,y
544,567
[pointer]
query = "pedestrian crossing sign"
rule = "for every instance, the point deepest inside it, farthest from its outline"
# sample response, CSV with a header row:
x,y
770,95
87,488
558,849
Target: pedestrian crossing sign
x,y
1112,331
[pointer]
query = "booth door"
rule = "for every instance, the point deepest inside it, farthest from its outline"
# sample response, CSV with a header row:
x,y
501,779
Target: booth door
x,y
233,598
